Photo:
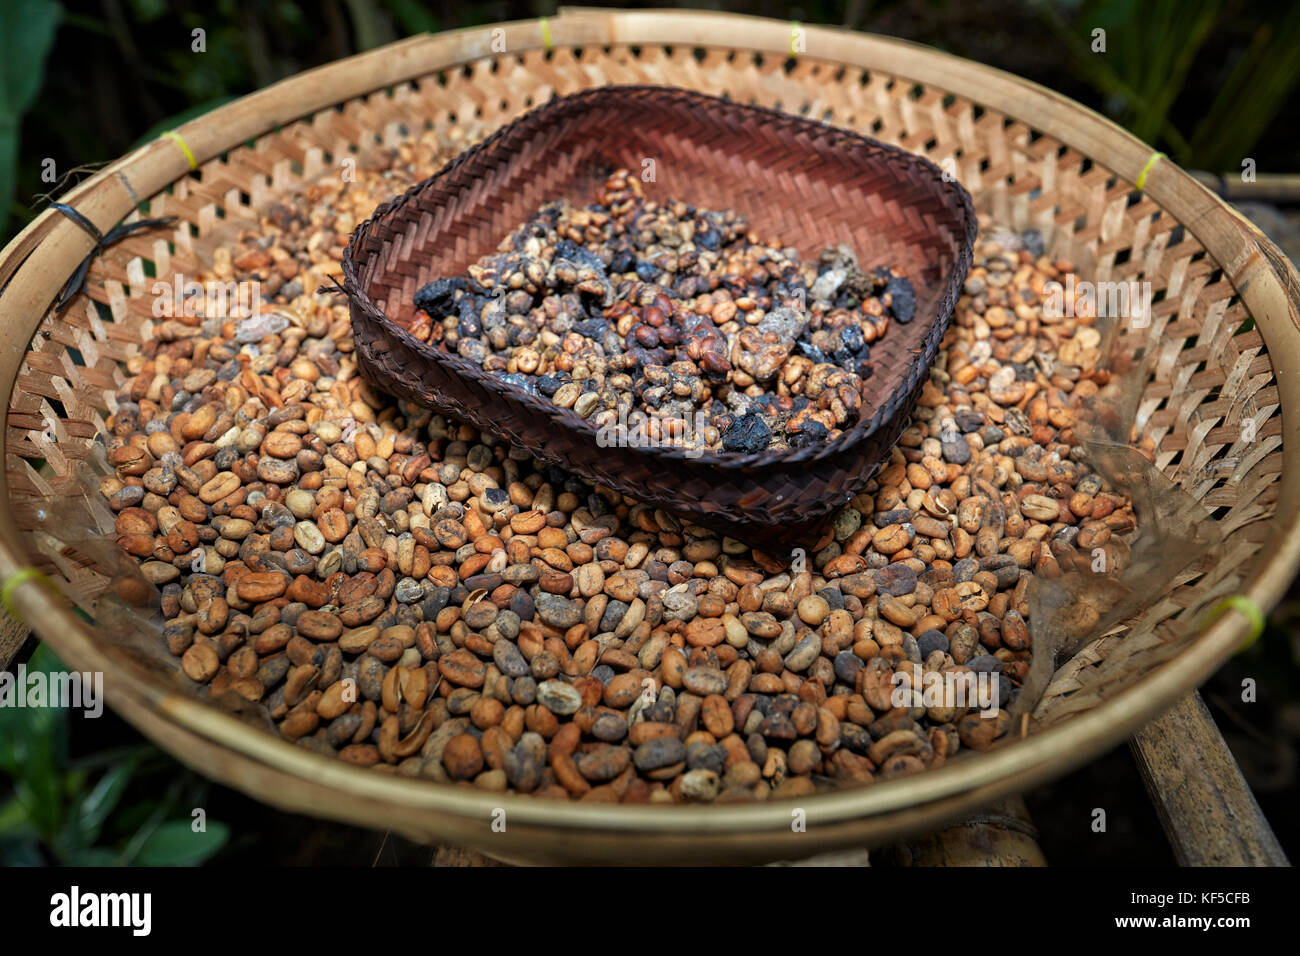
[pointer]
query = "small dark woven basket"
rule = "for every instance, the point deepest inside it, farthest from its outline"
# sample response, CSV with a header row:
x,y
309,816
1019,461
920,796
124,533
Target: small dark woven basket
x,y
803,183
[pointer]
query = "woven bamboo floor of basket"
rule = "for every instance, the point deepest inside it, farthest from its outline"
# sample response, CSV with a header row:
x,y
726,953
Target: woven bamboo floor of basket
x,y
1028,158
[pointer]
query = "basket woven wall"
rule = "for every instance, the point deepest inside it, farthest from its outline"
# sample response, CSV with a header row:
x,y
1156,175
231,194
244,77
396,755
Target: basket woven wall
x,y
1029,159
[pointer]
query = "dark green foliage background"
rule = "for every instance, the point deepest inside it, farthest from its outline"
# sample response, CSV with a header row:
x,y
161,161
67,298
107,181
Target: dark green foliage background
x,y
81,82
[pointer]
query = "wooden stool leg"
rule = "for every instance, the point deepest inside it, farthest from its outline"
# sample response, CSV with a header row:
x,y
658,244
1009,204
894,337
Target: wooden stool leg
x,y
456,856
1205,805
1001,835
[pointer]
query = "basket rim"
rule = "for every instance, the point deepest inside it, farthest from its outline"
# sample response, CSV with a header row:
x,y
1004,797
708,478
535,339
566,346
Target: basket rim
x,y
32,269
887,153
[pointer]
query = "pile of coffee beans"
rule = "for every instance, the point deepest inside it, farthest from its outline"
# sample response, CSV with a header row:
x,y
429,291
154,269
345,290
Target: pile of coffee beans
x,y
673,316
407,594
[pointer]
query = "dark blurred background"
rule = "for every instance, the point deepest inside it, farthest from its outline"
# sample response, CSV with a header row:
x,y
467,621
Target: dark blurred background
x,y
1207,81
1210,82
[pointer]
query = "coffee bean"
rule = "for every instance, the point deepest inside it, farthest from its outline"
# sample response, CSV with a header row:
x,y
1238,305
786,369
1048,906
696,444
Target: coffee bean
x,y
813,610
557,611
200,662
659,752
609,727
262,586
896,579
462,668
523,769
319,625
955,447
218,487
803,757
931,641
805,652
603,762
1040,508
700,785
704,681
508,659
462,757
558,697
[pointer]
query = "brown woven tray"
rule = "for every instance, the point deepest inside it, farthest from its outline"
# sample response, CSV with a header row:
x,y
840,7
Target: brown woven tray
x,y
806,183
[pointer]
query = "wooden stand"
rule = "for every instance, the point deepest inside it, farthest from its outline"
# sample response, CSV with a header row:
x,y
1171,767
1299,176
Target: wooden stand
x,y
1208,812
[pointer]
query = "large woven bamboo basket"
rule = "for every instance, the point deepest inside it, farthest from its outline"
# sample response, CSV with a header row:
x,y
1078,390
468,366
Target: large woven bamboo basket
x,y
1028,157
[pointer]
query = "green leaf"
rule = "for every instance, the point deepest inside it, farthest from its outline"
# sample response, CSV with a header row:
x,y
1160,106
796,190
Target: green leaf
x,y
89,856
134,816
176,844
100,759
13,817
1251,97
33,750
27,29
146,11
412,17
73,781
87,819
8,747
25,852
369,24
40,795
27,729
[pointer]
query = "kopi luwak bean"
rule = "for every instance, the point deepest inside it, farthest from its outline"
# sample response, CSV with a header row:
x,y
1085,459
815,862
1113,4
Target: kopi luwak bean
x,y
673,319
